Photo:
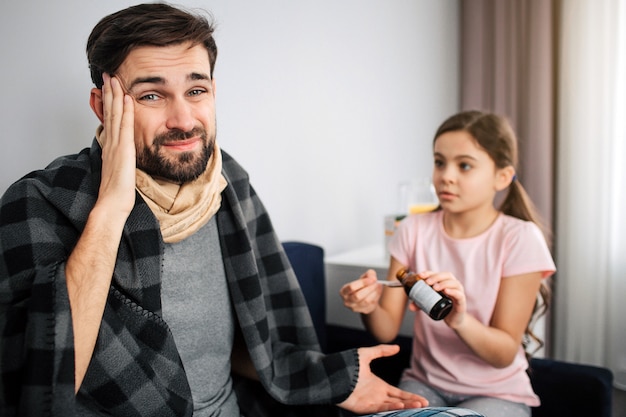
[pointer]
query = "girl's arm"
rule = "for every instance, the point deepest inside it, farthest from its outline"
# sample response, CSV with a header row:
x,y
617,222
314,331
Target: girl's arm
x,y
499,342
382,308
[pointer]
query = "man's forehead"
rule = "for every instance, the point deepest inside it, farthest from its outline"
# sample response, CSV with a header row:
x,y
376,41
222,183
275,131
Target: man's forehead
x,y
156,79
160,63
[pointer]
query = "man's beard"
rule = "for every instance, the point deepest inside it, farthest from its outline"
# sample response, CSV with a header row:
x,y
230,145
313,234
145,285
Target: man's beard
x,y
186,166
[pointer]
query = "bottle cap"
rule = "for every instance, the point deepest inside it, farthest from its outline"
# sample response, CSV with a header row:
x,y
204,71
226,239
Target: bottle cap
x,y
401,273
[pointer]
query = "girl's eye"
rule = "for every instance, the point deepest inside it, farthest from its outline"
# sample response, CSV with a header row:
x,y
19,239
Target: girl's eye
x,y
438,163
465,166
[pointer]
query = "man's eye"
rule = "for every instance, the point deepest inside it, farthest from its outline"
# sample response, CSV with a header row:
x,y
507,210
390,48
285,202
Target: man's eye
x,y
148,97
197,92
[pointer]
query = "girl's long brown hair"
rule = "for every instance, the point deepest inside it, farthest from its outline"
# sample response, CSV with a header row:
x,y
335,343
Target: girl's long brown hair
x,y
494,134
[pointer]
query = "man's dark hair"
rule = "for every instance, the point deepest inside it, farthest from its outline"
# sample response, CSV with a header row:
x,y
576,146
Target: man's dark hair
x,y
155,24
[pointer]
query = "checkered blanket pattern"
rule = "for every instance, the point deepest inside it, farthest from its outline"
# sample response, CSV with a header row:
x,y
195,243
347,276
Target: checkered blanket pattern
x,y
431,412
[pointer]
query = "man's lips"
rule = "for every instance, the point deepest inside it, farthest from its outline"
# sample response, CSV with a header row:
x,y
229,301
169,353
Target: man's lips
x,y
182,145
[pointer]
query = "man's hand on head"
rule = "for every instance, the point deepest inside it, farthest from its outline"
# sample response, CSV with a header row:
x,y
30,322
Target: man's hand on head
x,y
118,148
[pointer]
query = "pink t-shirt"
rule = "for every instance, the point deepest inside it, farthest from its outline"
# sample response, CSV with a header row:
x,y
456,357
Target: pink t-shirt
x,y
440,358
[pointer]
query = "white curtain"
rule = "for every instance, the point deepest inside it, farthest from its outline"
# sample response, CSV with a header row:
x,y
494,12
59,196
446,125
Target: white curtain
x,y
590,307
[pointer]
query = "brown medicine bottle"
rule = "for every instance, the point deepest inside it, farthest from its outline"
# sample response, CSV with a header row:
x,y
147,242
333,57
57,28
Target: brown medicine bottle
x,y
433,303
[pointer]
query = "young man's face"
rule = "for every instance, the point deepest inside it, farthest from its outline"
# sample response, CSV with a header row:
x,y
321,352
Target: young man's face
x,y
174,109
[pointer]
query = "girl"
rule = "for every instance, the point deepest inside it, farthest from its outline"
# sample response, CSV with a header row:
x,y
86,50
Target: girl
x,y
490,262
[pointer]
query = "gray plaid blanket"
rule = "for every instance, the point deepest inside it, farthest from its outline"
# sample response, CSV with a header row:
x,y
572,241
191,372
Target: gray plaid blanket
x,y
136,369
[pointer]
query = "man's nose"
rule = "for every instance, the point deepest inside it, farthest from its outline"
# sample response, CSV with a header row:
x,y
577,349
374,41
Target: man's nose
x,y
179,115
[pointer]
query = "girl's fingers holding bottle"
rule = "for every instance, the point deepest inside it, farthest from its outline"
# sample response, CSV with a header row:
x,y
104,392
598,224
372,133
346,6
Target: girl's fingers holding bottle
x,y
441,280
456,294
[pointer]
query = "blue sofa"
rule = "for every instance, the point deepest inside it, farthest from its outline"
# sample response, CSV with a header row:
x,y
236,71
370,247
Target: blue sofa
x,y
565,389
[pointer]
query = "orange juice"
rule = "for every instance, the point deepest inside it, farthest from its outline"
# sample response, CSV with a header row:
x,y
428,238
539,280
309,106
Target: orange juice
x,y
422,208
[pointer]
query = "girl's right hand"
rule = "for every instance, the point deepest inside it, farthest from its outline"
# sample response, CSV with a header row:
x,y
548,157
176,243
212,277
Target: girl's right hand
x,y
362,295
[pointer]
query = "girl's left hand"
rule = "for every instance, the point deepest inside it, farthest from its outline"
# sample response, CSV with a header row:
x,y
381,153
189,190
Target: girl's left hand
x,y
447,283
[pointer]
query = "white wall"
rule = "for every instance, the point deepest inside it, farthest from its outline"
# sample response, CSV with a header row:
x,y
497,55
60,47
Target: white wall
x,y
328,104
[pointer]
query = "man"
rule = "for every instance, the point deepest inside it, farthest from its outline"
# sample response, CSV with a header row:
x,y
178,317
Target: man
x,y
136,273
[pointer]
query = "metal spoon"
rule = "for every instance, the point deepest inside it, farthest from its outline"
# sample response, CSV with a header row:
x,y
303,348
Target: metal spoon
x,y
390,283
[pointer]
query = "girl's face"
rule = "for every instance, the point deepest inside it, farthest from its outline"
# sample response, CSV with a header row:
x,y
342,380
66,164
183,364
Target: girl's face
x,y
464,175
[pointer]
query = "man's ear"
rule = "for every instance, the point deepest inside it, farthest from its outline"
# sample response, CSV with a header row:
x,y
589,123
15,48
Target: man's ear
x,y
95,101
504,176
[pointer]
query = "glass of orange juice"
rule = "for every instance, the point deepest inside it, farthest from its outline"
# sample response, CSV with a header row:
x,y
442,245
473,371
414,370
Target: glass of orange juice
x,y
421,196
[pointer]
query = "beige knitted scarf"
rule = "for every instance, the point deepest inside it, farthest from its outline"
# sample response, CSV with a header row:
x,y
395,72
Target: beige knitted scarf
x,y
182,209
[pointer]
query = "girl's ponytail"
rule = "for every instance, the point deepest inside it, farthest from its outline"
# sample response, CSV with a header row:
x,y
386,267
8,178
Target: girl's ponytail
x,y
518,204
